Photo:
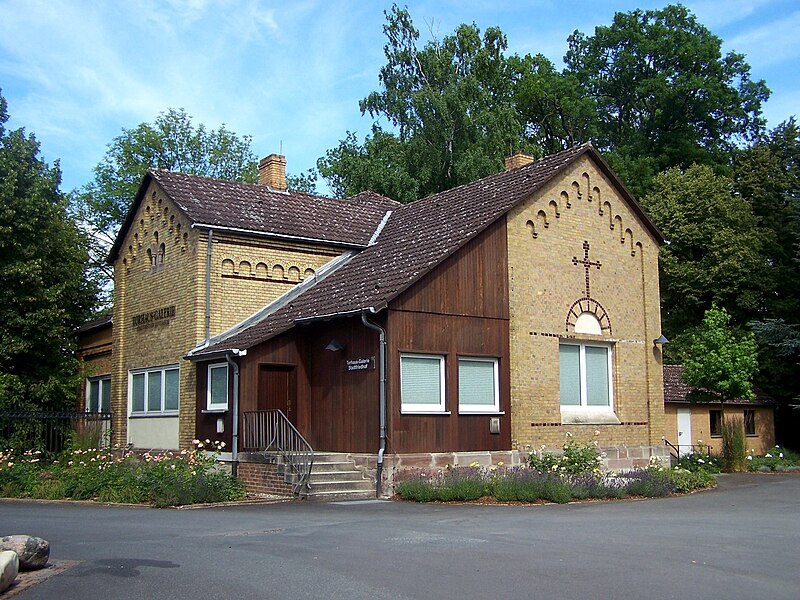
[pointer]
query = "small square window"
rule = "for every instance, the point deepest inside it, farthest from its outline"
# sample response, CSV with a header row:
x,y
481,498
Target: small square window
x,y
421,383
478,385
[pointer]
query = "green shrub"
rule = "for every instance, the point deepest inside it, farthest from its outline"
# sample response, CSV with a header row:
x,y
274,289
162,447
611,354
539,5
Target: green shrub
x,y
777,459
555,490
118,476
734,449
416,490
698,461
575,459
687,481
653,482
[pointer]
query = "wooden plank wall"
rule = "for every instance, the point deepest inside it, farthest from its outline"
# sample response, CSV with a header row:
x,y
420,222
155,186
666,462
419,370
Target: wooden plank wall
x,y
459,309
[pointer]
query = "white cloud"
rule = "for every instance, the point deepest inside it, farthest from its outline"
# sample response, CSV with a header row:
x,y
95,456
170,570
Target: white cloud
x,y
770,43
719,13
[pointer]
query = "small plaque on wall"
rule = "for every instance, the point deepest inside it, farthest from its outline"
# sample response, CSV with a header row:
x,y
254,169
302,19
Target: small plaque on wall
x,y
359,364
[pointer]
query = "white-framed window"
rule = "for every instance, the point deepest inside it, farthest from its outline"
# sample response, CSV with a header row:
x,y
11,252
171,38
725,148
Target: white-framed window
x,y
154,391
421,383
98,394
217,387
586,377
478,385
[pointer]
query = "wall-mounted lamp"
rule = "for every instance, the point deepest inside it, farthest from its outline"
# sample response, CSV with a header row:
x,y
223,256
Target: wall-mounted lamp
x,y
334,346
660,340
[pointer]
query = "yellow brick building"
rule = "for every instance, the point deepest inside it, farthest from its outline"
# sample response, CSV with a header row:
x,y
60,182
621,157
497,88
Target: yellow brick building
x,y
476,324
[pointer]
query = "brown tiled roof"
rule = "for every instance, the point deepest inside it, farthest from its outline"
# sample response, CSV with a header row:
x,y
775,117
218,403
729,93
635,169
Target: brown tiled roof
x,y
248,207
416,237
100,322
676,390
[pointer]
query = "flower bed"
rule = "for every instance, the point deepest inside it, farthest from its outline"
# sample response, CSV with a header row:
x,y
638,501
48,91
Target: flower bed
x,y
572,475
119,475
778,459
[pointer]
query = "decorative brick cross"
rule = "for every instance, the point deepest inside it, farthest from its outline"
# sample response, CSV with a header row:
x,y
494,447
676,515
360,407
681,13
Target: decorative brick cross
x,y
587,264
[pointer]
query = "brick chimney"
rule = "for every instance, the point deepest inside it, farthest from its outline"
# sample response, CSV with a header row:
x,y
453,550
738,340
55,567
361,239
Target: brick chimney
x,y
518,160
272,171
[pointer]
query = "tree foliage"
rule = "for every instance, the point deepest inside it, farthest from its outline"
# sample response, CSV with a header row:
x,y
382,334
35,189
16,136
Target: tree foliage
x,y
715,252
719,361
553,108
767,175
450,113
653,90
42,261
171,142
665,95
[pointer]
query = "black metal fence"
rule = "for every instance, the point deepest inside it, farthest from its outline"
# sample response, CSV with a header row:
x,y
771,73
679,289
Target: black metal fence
x,y
53,431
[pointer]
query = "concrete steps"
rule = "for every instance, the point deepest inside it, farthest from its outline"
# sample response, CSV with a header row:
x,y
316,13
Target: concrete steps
x,y
333,477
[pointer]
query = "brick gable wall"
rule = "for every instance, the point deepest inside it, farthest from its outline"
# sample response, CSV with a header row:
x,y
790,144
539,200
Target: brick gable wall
x,y
546,236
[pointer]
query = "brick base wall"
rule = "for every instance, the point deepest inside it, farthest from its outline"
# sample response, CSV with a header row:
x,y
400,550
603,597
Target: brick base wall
x,y
263,478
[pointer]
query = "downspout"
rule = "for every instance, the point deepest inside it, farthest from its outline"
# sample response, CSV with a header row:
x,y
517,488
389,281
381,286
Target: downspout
x,y
381,396
208,286
235,417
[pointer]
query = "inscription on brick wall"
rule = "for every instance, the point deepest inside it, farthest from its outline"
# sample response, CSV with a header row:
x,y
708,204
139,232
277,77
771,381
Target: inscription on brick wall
x,y
153,318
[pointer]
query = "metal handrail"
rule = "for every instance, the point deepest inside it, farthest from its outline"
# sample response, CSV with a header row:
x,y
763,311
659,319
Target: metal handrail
x,y
677,449
271,430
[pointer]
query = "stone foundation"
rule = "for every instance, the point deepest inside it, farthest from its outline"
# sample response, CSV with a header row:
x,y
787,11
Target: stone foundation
x,y
395,466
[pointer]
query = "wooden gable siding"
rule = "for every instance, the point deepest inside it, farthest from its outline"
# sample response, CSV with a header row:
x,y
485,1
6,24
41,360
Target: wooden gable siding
x,y
458,309
473,281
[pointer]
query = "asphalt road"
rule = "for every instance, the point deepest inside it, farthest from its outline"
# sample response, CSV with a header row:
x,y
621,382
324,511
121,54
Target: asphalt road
x,y
741,540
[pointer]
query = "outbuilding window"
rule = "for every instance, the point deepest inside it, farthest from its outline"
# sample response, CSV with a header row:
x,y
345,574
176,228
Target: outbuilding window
x,y
749,422
98,394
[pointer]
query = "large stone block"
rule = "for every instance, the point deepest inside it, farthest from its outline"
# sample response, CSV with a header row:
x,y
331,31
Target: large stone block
x,y
33,552
9,567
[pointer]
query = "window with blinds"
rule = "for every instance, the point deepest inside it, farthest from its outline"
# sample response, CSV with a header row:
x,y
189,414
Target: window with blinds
x,y
478,385
422,383
585,376
98,395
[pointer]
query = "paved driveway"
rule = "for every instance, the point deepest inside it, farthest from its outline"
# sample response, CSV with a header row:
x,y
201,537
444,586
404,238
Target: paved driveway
x,y
739,541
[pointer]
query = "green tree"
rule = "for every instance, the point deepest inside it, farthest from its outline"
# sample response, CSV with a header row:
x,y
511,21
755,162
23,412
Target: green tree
x,y
721,365
715,251
719,360
450,113
665,94
767,175
553,107
172,142
43,255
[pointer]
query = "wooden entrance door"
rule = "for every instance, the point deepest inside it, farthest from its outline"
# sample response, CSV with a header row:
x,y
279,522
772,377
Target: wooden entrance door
x,y
277,388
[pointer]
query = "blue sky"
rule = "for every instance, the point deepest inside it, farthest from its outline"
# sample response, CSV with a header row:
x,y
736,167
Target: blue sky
x,y
290,74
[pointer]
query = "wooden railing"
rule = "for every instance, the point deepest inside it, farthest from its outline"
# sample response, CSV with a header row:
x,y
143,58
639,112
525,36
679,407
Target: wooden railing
x,y
269,431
